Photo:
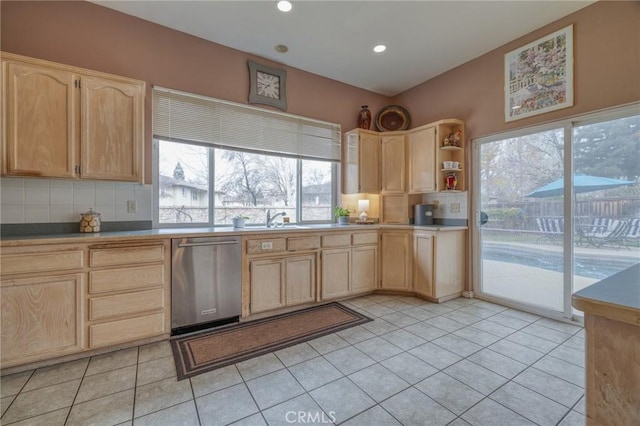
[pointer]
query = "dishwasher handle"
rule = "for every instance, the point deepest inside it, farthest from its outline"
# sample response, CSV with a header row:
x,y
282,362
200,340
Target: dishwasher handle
x,y
211,243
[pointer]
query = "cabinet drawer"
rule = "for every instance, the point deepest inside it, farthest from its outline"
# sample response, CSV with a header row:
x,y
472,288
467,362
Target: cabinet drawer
x,y
266,245
41,262
126,278
303,243
126,255
338,240
125,304
114,332
365,238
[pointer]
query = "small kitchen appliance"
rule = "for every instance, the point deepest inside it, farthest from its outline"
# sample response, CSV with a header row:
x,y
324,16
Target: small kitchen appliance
x,y
423,214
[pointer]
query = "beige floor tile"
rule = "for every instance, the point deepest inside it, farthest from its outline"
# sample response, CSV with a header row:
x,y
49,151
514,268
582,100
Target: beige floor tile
x,y
573,419
315,373
349,360
550,386
154,351
299,410
42,400
112,361
157,369
529,404
182,414
274,388
343,398
226,406
5,402
298,353
160,395
475,376
435,355
498,363
412,407
562,369
259,366
489,412
106,383
215,380
450,393
53,418
57,373
108,410
378,382
13,383
373,416
409,368
328,343
255,420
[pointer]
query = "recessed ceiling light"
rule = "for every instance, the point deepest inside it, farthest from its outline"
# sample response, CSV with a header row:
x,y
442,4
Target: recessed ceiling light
x,y
284,6
379,48
281,48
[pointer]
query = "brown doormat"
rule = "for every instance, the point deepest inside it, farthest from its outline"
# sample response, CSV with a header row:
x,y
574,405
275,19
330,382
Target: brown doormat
x,y
207,351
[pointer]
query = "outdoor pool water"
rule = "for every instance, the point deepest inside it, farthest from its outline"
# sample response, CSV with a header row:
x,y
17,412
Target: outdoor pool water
x,y
584,265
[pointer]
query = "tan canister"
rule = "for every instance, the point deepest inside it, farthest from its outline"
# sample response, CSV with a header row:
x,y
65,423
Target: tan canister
x,y
90,221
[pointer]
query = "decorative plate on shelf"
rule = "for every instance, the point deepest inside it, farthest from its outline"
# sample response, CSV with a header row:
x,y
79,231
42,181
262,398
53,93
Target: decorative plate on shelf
x,y
392,117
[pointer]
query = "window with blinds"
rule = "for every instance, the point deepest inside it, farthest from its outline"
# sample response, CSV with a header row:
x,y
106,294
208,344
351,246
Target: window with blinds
x,y
180,116
216,160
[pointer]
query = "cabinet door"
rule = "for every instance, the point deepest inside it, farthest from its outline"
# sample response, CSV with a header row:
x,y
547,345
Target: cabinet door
x,y
422,161
393,171
396,260
369,163
423,264
41,125
112,129
300,281
335,273
394,208
267,284
41,317
364,268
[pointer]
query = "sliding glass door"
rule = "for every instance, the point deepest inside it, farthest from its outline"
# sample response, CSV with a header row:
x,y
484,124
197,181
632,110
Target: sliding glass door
x,y
541,233
521,244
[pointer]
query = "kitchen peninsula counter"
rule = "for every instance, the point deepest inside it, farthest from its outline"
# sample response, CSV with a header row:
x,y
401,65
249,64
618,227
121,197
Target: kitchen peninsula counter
x,y
612,322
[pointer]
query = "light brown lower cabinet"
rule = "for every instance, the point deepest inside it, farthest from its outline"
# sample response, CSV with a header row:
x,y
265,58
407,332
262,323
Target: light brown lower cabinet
x,y
42,317
63,299
350,269
282,281
439,264
396,260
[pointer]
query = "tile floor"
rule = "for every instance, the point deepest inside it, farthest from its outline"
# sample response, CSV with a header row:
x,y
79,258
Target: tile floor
x,y
458,363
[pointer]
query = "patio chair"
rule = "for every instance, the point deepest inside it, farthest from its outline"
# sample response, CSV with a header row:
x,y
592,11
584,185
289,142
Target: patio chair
x,y
632,234
550,228
614,234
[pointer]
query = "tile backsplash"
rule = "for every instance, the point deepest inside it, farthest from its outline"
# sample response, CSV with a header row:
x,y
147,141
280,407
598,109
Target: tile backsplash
x,y
448,204
59,201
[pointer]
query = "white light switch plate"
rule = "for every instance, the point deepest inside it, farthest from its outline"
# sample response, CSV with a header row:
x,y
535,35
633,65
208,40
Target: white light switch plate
x,y
455,207
132,206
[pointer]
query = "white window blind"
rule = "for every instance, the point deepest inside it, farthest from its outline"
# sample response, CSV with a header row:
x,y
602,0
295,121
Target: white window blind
x,y
188,117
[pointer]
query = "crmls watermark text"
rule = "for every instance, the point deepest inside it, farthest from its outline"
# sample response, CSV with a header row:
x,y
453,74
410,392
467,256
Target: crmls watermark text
x,y
310,417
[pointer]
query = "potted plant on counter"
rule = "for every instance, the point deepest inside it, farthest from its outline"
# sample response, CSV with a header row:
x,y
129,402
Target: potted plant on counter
x,y
239,220
342,215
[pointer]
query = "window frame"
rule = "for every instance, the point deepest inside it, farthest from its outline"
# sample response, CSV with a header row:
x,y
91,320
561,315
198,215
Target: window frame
x,y
335,184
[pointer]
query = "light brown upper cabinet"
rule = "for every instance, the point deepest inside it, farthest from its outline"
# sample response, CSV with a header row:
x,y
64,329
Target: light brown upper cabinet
x,y
393,163
421,160
361,162
67,122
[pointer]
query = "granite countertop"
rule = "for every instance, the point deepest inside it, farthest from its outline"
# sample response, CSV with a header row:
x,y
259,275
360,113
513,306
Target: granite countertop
x,y
202,232
616,297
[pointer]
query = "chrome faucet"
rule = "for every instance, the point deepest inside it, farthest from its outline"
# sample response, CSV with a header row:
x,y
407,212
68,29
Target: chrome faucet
x,y
270,219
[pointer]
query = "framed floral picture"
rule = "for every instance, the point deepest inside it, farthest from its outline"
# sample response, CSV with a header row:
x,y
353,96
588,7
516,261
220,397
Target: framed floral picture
x,y
539,76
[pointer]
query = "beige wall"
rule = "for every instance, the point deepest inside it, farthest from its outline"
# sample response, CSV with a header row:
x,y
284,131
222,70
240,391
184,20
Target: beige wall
x,y
606,74
606,55
90,36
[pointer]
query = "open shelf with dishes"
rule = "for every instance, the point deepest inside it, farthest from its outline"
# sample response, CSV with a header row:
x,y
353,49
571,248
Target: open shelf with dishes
x,y
450,155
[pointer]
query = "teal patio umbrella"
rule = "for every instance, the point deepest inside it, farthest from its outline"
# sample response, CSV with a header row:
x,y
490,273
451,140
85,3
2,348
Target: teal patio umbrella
x,y
581,183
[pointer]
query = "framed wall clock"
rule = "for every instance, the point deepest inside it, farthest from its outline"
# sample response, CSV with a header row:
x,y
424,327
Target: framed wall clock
x,y
267,85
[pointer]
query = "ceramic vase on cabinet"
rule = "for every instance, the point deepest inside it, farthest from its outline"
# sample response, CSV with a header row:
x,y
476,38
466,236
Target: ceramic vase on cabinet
x,y
364,118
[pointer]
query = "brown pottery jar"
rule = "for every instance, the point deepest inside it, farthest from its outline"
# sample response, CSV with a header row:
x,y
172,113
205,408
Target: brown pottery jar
x,y
364,118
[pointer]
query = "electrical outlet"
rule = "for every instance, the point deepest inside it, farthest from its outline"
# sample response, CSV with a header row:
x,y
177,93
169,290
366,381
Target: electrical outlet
x,y
455,207
267,245
132,206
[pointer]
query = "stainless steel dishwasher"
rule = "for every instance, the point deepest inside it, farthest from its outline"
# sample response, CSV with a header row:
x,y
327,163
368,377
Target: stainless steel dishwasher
x,y
206,282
